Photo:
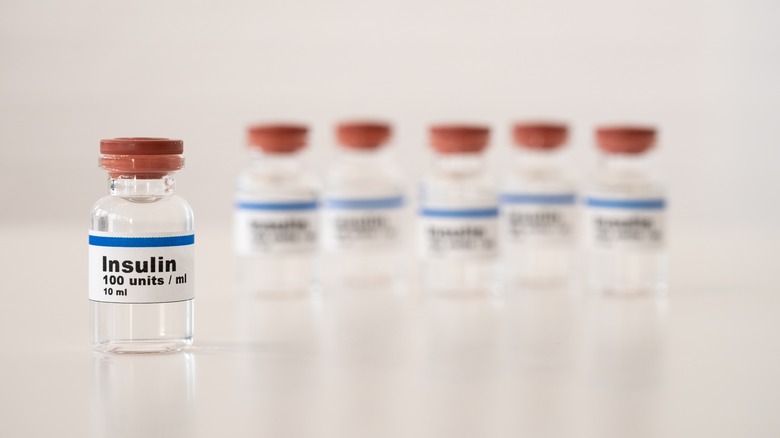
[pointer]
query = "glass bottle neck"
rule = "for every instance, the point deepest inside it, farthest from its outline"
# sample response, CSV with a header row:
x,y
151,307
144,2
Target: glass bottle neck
x,y
130,187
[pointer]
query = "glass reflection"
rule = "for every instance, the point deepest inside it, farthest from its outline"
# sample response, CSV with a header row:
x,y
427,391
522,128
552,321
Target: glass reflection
x,y
143,395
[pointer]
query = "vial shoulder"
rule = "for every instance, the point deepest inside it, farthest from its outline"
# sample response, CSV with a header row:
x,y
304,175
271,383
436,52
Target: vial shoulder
x,y
365,179
439,189
112,203
267,172
262,182
537,181
142,214
459,180
626,185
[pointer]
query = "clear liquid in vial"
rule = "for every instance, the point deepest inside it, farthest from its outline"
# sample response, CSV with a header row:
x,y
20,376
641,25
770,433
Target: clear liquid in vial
x,y
143,206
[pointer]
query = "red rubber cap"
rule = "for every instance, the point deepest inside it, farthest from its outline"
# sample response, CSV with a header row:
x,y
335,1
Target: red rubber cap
x,y
625,139
540,135
278,138
141,146
451,139
141,157
363,134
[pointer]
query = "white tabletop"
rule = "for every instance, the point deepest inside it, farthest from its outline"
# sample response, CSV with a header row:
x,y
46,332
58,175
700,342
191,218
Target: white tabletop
x,y
395,363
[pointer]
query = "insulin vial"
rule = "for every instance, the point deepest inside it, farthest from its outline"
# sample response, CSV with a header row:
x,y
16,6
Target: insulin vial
x,y
625,216
141,250
458,214
362,209
275,221
537,209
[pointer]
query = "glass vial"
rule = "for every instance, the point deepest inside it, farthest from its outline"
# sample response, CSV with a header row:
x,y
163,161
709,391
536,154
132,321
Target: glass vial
x,y
141,250
537,209
275,219
363,201
624,203
458,216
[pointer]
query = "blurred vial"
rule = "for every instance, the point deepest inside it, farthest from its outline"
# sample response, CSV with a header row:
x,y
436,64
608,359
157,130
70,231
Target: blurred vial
x,y
363,202
141,250
625,206
537,209
458,214
275,220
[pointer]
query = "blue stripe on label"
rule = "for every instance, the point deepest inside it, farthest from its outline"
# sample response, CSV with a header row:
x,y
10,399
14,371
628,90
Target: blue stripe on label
x,y
561,199
277,206
639,204
475,213
142,242
365,204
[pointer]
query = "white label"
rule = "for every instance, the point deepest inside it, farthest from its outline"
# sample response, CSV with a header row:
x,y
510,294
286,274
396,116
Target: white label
x,y
361,224
141,269
542,219
625,223
271,228
457,234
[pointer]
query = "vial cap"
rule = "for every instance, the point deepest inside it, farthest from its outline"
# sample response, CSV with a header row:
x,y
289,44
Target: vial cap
x,y
141,157
540,135
625,139
363,134
278,138
460,138
141,146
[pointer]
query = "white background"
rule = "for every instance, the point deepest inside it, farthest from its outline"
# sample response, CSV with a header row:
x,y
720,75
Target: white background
x,y
74,72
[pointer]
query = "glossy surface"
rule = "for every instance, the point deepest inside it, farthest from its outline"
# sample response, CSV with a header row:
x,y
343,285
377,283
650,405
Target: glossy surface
x,y
375,363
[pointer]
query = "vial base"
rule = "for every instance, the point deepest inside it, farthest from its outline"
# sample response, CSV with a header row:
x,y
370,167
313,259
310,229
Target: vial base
x,y
276,277
627,273
142,328
459,278
537,266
